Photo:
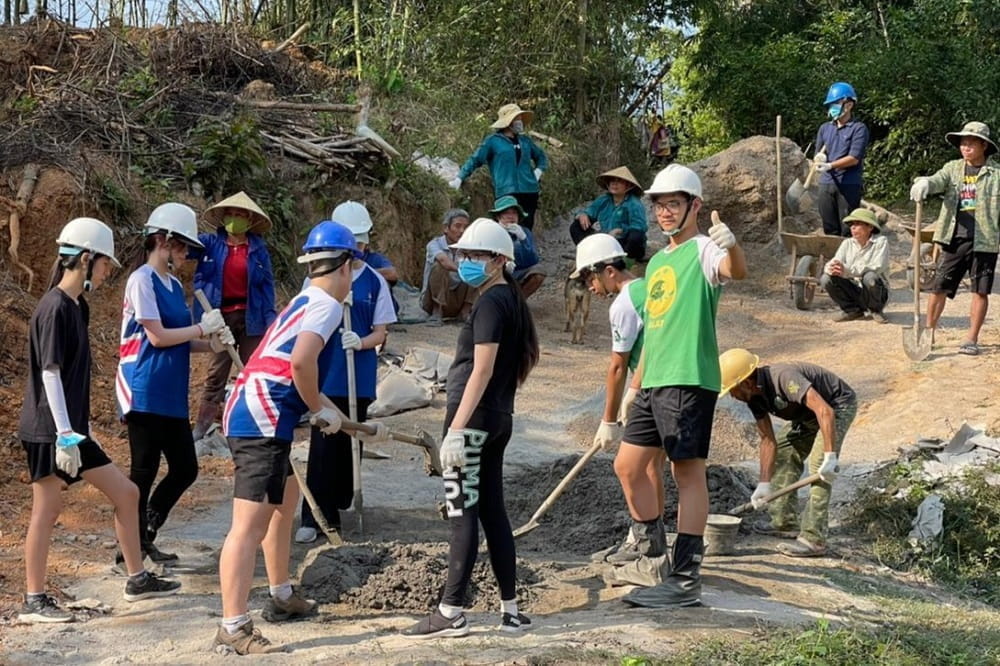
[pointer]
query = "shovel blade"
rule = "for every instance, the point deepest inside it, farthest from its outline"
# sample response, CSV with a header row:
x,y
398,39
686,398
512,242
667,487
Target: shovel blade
x,y
793,196
524,529
916,342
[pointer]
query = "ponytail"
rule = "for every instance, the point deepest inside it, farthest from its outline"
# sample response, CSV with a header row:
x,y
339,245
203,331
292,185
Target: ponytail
x,y
142,254
526,330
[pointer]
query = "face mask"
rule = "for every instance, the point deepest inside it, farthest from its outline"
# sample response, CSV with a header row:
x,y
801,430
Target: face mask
x,y
236,225
835,111
517,126
472,273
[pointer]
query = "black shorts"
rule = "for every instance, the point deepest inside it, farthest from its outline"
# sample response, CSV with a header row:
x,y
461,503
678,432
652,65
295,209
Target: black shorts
x,y
262,467
42,459
677,418
957,259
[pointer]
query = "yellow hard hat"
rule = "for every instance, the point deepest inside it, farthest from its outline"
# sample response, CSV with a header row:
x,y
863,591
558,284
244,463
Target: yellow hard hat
x,y
736,365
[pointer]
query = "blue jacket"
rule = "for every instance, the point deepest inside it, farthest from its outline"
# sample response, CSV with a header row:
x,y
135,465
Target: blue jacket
x,y
260,310
525,254
629,215
509,175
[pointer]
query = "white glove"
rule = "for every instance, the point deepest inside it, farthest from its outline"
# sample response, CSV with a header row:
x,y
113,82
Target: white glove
x,y
327,419
517,231
762,490
380,436
538,174
455,184
211,322
218,341
350,340
453,449
607,434
921,188
68,453
822,167
819,158
627,401
828,470
721,235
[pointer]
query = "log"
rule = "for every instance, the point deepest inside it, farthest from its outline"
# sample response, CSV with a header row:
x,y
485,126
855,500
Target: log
x,y
546,138
24,192
291,40
299,106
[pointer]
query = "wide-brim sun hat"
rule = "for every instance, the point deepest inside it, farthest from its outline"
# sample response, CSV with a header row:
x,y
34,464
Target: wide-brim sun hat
x,y
505,202
866,216
976,129
260,223
508,113
621,173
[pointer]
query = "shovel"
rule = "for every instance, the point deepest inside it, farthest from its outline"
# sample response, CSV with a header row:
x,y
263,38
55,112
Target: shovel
x,y
807,481
793,197
555,494
432,462
916,342
352,410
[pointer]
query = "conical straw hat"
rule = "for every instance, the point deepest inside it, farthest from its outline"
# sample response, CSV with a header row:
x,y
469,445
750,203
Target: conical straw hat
x,y
622,173
260,223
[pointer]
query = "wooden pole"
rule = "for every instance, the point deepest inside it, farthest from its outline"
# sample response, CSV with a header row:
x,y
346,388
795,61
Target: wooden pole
x,y
777,142
24,192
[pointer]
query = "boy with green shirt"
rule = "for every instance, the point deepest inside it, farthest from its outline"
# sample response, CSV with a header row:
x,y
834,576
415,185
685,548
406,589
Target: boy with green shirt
x,y
678,378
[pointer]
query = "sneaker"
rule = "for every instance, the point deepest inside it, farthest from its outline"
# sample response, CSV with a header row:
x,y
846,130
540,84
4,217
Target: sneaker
x,y
437,625
305,534
626,552
43,609
515,624
149,586
848,316
246,640
294,607
879,318
969,348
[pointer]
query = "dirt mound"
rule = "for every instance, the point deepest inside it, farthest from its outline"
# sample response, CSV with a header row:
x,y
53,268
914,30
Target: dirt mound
x,y
403,577
591,514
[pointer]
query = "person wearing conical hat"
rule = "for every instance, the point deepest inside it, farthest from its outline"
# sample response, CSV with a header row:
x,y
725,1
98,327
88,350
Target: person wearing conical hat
x,y
516,164
618,212
234,271
968,226
857,278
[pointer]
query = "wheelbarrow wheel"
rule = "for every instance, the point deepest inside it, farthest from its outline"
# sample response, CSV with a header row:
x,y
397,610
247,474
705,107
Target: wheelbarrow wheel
x,y
802,290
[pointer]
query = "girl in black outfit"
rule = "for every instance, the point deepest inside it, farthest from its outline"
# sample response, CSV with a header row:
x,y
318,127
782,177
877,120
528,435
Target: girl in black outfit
x,y
497,348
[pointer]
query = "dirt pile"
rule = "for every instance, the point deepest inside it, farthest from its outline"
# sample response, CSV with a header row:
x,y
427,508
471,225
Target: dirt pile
x,y
591,514
403,577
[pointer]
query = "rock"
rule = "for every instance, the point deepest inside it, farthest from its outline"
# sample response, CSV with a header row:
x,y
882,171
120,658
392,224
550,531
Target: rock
x,y
108,545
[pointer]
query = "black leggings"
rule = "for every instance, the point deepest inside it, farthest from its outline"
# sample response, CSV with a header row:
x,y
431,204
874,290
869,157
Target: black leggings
x,y
330,471
529,202
474,496
632,241
149,437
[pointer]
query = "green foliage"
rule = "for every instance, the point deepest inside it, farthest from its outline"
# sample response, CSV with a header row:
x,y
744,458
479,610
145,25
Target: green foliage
x,y
114,202
139,85
967,557
223,153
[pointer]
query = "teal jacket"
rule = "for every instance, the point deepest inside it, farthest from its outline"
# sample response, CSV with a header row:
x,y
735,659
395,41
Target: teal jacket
x,y
509,176
948,181
629,215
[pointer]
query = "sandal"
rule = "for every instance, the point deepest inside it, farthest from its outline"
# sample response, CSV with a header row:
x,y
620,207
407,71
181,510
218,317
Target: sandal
x,y
969,348
801,548
780,533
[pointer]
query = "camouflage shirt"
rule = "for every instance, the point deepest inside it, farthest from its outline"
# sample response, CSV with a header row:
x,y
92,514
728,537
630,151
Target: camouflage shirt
x,y
949,182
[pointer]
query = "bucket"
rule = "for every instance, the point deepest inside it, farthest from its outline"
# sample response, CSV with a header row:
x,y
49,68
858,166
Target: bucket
x,y
720,534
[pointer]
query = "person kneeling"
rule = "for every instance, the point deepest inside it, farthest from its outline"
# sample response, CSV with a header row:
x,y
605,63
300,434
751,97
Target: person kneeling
x,y
857,278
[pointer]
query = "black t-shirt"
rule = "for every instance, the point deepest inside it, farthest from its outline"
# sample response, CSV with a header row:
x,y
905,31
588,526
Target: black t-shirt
x,y
785,386
494,318
965,215
57,336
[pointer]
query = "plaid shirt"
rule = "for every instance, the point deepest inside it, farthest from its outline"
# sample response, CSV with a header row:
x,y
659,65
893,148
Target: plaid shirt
x,y
948,181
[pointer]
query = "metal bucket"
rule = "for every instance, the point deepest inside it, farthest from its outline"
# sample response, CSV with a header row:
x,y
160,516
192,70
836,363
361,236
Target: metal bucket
x,y
720,534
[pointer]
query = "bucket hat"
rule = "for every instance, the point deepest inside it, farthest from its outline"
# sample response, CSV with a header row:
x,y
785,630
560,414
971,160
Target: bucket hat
x,y
976,129
260,223
621,173
866,216
508,113
505,202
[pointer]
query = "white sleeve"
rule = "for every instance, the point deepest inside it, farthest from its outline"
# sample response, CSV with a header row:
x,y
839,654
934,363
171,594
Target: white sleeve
x,y
139,293
711,256
52,381
322,317
625,323
384,312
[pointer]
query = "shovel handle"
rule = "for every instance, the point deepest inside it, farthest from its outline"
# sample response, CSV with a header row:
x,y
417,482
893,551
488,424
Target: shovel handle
x,y
330,533
559,490
812,167
231,350
807,481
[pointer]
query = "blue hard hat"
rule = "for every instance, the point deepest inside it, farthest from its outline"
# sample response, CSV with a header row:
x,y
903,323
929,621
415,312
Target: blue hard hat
x,y
330,236
839,91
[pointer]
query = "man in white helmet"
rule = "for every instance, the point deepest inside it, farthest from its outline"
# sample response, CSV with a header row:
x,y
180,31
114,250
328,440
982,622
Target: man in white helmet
x,y
355,217
671,402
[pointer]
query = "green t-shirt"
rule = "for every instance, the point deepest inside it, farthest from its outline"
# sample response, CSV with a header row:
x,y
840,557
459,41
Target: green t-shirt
x,y
682,296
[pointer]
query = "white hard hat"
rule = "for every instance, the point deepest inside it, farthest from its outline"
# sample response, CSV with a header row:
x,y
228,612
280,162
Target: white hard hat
x,y
175,219
354,216
486,235
596,249
676,178
90,234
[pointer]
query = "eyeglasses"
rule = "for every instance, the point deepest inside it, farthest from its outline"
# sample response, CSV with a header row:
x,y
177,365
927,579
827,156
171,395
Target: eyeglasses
x,y
476,256
674,206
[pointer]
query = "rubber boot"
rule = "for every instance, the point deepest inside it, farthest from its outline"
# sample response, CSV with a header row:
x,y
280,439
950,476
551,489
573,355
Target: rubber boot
x,y
206,417
683,586
650,541
644,572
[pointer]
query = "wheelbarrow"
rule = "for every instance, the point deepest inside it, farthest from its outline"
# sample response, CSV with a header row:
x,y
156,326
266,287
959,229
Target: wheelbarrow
x,y
930,257
809,256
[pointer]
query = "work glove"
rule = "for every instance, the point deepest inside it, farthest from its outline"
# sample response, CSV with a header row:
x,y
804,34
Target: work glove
x,y
822,167
517,232
607,434
819,158
350,340
455,183
219,340
721,235
762,490
627,401
920,189
327,419
68,452
538,174
828,470
211,322
380,436
453,449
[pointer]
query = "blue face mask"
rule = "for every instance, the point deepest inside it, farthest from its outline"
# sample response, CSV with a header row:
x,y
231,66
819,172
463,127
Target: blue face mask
x,y
517,126
835,111
471,272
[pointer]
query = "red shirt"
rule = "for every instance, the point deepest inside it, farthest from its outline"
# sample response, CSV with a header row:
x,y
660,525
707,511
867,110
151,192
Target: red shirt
x,y
234,278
